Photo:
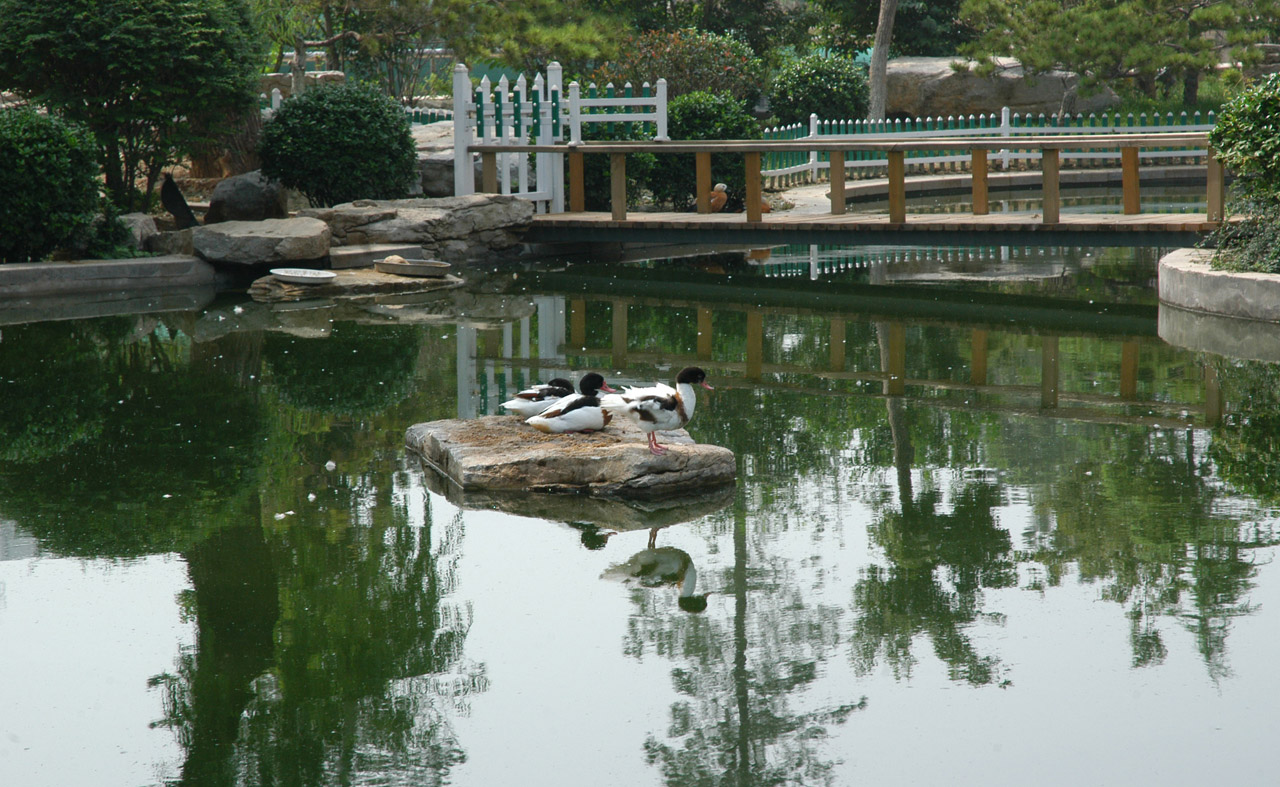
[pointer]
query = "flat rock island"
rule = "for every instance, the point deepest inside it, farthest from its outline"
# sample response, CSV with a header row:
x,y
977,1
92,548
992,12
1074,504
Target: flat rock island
x,y
501,452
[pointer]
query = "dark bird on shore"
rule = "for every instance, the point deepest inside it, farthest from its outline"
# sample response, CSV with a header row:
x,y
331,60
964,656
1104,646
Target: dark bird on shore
x,y
173,201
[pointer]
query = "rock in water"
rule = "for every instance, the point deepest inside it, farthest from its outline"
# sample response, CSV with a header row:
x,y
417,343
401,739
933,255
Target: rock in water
x,y
503,453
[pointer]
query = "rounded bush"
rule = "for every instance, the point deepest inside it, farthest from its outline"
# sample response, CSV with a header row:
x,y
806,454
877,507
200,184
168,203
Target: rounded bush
x,y
702,115
48,185
690,60
340,143
833,86
1245,135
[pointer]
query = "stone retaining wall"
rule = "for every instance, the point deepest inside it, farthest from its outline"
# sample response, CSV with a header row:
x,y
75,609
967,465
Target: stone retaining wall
x,y
1187,282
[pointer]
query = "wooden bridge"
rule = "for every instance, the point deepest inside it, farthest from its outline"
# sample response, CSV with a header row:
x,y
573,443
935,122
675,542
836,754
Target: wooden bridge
x,y
1048,226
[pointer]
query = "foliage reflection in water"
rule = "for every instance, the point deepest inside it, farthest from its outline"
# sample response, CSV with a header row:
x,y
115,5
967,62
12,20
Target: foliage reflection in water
x,y
936,484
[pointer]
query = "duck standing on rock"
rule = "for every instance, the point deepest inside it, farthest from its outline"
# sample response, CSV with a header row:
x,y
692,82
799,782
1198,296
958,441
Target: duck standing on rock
x,y
580,412
537,398
659,408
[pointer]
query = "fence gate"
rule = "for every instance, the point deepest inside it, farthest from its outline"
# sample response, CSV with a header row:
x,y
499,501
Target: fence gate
x,y
515,112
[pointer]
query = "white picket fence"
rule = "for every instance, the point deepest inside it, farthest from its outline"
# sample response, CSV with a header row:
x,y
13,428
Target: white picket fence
x,y
812,165
514,112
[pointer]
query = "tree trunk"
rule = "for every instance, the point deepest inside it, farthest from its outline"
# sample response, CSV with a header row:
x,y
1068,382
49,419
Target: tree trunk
x,y
880,58
299,66
1190,88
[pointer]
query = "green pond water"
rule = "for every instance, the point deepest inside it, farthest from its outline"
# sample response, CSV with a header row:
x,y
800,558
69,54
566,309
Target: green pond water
x,y
988,529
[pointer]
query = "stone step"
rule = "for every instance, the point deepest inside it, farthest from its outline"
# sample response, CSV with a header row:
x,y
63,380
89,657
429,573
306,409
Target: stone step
x,y
363,256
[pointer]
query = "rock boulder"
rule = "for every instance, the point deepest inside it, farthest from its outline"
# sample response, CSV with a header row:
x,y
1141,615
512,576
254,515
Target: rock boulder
x,y
454,229
932,87
502,453
270,241
247,197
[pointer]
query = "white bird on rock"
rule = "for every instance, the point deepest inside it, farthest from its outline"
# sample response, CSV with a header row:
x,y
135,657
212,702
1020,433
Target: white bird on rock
x,y
659,408
578,412
537,398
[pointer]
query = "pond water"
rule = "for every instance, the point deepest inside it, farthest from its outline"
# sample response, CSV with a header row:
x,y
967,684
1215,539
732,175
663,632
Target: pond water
x,y
988,528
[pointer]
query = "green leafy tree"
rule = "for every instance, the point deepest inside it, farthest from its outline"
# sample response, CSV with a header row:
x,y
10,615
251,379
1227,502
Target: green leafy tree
x,y
920,28
1109,41
340,143
690,60
149,78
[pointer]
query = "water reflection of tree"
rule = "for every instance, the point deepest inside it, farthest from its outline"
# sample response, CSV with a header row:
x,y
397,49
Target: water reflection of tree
x,y
924,549
735,724
1139,514
122,445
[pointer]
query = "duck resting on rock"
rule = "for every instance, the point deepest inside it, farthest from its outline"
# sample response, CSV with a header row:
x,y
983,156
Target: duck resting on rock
x,y
659,407
536,398
579,412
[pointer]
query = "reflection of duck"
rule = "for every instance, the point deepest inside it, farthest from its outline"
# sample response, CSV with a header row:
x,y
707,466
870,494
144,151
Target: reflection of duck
x,y
578,412
658,566
537,398
659,408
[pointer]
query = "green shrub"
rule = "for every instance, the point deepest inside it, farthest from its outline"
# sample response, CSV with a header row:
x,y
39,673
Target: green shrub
x,y
1245,135
702,116
1246,142
831,85
340,143
690,60
48,185
149,78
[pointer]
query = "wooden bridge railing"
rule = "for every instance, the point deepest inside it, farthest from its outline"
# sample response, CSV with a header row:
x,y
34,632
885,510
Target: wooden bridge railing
x,y
1129,146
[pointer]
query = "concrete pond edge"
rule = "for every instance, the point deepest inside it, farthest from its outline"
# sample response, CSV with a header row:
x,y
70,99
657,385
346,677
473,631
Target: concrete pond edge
x,y
1233,314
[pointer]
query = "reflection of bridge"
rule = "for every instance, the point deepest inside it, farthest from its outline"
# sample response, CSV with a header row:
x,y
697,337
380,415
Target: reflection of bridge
x,y
493,363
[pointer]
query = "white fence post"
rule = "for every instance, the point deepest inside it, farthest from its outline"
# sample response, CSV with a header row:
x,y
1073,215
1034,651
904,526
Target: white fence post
x,y
464,175
1006,129
813,154
555,91
661,97
575,112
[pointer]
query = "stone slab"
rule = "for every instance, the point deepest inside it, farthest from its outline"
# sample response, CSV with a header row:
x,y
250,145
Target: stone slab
x,y
602,512
258,242
170,272
365,255
502,453
348,283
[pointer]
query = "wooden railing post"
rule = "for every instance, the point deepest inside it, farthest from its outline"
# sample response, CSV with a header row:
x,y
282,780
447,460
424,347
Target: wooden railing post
x,y
1052,199
489,172
1049,372
702,181
618,185
837,183
755,196
1129,180
978,170
704,335
978,359
1216,197
897,187
577,191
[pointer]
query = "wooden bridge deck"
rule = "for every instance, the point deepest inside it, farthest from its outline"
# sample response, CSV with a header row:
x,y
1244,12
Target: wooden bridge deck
x,y
1108,229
